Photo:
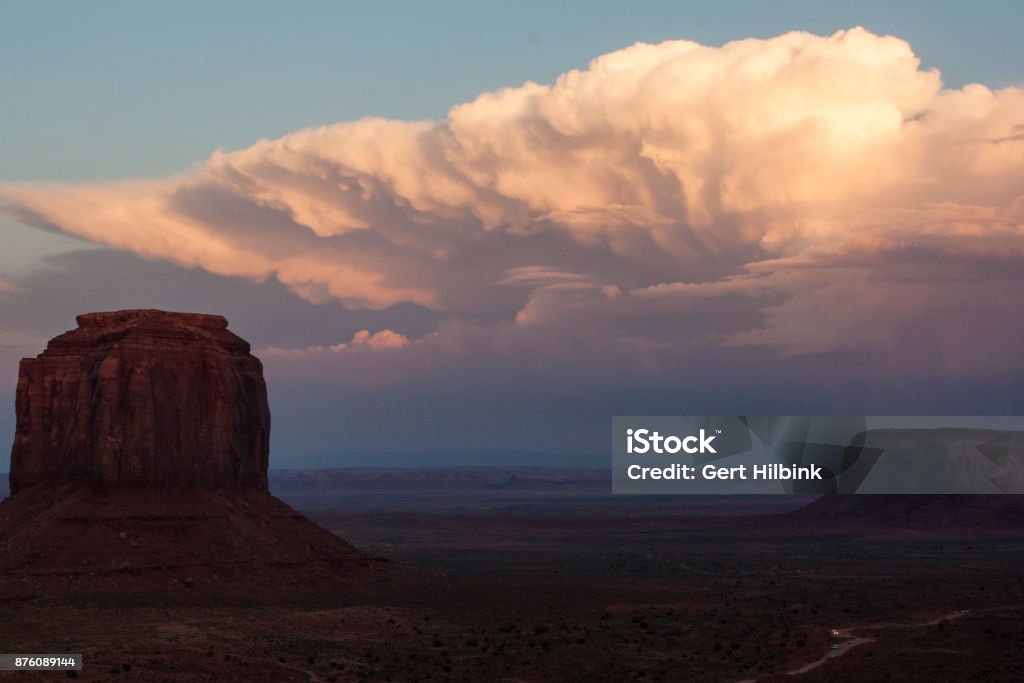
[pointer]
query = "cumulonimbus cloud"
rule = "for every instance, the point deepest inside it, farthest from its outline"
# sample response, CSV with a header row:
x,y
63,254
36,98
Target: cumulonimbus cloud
x,y
658,177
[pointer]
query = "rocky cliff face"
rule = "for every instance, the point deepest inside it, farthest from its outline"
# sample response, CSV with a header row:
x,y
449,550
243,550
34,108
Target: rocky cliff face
x,y
143,398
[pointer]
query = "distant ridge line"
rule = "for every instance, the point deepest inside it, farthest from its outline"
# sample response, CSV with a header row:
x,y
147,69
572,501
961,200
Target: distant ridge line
x,y
439,459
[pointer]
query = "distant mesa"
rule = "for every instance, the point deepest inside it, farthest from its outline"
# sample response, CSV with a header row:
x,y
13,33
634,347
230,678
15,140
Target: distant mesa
x,y
140,462
921,451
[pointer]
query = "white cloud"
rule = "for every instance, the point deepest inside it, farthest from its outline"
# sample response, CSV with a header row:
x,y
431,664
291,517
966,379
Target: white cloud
x,y
764,184
377,341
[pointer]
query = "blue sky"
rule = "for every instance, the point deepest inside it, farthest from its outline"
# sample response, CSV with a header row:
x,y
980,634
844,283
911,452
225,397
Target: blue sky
x,y
108,91
115,89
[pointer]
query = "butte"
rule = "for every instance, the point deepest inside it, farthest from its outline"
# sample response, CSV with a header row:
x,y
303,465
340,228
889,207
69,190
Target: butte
x,y
139,465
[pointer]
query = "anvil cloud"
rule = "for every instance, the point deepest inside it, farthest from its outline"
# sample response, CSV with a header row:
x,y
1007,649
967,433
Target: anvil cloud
x,y
804,193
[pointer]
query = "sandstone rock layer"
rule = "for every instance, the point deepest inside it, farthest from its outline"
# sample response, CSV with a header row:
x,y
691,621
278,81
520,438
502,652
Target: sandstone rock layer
x,y
143,398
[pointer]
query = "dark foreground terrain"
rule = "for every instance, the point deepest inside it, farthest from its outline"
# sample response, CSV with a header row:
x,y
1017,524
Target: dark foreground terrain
x,y
542,575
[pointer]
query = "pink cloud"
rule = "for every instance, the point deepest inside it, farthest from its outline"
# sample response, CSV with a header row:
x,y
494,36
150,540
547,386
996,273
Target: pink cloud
x,y
377,341
802,193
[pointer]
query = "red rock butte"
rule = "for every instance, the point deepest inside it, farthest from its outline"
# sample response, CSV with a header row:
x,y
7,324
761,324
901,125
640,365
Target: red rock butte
x,y
143,398
140,466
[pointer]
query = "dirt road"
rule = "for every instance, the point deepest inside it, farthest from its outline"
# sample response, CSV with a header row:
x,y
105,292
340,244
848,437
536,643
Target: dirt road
x,y
846,639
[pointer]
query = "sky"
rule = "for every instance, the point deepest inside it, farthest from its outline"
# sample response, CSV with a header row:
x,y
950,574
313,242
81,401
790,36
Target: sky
x,y
455,226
